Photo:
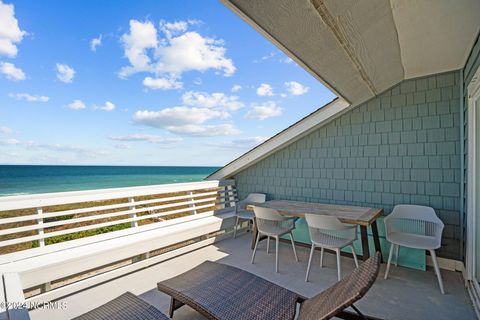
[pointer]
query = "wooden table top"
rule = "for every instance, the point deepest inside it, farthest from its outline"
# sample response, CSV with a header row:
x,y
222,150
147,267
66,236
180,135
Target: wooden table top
x,y
347,214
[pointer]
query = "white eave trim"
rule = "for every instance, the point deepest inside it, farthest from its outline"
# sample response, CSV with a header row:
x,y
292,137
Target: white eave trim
x,y
282,139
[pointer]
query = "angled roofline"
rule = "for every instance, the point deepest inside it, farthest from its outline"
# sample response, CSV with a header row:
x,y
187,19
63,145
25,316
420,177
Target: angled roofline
x,y
299,129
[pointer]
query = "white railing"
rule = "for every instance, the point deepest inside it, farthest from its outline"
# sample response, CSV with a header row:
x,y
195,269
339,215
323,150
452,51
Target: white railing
x,y
37,218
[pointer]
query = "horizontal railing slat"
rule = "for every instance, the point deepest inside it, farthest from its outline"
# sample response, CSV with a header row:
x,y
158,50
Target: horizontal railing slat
x,y
100,216
98,208
96,226
172,199
52,199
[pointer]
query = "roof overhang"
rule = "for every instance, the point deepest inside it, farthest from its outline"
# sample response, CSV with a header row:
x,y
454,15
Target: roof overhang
x,y
359,49
279,141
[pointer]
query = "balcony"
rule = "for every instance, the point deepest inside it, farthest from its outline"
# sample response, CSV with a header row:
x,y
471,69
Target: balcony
x,y
407,294
165,231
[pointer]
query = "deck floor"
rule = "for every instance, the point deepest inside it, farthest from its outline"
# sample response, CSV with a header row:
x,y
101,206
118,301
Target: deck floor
x,y
407,294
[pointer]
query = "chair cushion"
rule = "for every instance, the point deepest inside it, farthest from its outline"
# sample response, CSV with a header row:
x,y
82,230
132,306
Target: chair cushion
x,y
224,292
125,307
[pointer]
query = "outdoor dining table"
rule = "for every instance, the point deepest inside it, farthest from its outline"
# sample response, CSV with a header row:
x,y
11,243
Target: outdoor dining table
x,y
361,216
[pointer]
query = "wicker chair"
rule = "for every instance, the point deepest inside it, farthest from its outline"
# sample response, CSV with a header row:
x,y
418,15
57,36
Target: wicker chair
x,y
223,292
125,307
240,209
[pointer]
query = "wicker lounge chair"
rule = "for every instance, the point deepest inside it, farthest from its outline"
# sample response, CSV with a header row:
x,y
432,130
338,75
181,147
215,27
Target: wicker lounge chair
x,y
222,292
125,307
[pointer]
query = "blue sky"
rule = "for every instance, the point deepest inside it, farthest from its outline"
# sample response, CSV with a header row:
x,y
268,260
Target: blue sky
x,y
141,83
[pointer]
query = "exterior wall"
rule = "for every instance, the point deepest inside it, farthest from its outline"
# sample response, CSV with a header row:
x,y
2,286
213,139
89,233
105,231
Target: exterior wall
x,y
471,66
400,147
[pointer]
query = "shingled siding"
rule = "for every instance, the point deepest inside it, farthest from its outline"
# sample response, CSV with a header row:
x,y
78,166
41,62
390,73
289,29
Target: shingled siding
x,y
400,147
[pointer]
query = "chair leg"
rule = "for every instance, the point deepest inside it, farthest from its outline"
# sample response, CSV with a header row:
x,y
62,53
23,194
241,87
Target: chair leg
x,y
310,262
354,255
321,257
397,252
268,244
338,264
235,229
276,254
255,249
293,246
389,260
437,270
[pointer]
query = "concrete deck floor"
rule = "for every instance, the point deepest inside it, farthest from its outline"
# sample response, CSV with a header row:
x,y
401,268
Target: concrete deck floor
x,y
407,294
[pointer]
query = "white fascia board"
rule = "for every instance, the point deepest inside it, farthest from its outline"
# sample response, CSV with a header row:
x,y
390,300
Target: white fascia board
x,y
282,139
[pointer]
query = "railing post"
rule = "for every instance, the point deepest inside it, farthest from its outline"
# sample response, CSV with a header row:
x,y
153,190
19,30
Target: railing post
x,y
134,214
192,205
41,241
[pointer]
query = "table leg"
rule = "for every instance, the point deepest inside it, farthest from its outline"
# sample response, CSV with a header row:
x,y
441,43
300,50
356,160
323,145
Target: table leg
x,y
376,239
365,249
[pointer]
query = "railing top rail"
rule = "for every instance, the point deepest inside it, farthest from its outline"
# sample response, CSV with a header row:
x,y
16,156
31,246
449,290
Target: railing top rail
x,y
60,198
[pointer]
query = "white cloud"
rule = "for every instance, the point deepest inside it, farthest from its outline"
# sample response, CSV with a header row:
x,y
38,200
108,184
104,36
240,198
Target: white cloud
x,y
186,121
295,88
243,143
142,36
122,146
108,106
32,145
9,142
162,83
76,105
10,33
85,152
176,116
214,100
265,90
65,73
147,138
178,52
11,72
205,130
173,28
236,88
265,57
190,51
287,60
264,111
28,97
5,130
95,42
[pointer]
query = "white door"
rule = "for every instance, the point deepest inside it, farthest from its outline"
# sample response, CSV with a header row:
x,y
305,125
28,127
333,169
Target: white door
x,y
473,214
476,220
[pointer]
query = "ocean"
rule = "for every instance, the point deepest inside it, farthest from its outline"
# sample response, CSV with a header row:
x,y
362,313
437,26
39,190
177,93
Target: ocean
x,y
25,179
